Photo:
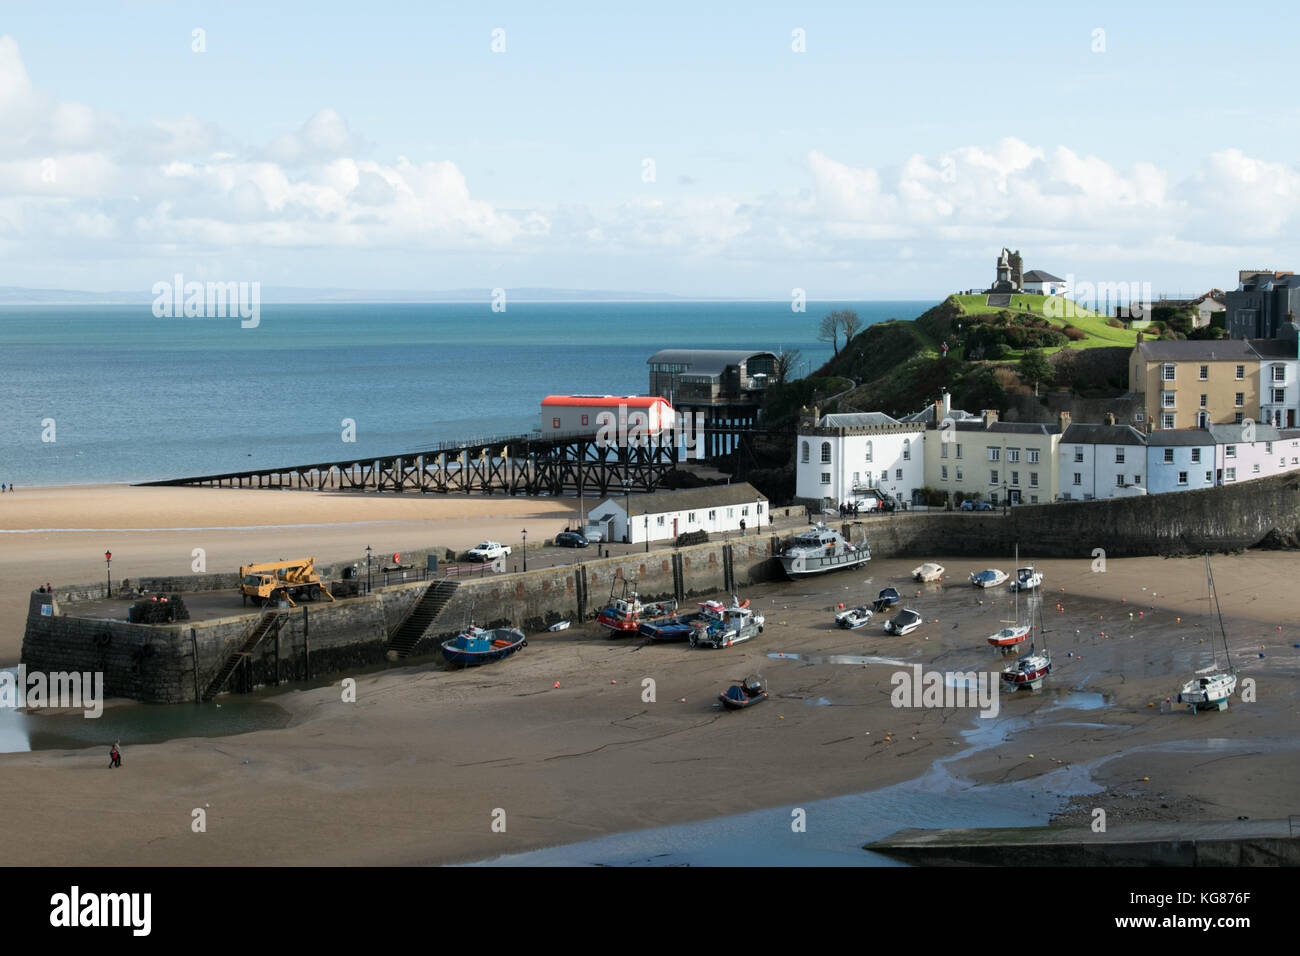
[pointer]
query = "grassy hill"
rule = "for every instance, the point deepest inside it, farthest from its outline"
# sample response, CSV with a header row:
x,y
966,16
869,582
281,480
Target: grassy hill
x,y
1097,333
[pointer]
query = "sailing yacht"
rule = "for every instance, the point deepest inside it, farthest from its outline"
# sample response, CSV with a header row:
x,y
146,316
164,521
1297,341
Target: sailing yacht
x,y
1017,632
1030,669
1213,690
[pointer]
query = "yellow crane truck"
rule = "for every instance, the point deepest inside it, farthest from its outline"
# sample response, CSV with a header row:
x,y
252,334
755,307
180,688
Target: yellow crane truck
x,y
268,583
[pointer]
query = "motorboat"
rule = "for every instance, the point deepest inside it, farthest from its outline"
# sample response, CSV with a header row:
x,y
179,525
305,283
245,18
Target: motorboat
x,y
1027,579
887,598
623,615
988,578
854,617
821,549
752,690
927,572
904,622
739,623
680,627
476,645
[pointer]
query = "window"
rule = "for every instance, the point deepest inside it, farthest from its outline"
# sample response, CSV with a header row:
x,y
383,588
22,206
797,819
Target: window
x,y
1169,456
1119,481
1033,499
555,423
713,515
1230,451
959,473
1137,479
943,449
1015,477
898,474
1078,453
1241,372
1167,399
868,458
1167,373
1208,478
1013,454
1268,448
959,451
1205,372
884,475
1239,399
758,508
943,473
907,449
803,452
744,511
995,454
1230,474
993,476
1033,480
584,419
826,477
1182,477
1236,419
1205,401
1033,456
660,521
1254,469
1119,456
1196,456
690,517
1078,478
731,512
826,452
857,478
1279,395
1167,420
1279,373
1139,416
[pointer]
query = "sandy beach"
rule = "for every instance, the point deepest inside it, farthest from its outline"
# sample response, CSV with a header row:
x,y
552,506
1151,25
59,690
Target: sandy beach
x,y
419,767
60,534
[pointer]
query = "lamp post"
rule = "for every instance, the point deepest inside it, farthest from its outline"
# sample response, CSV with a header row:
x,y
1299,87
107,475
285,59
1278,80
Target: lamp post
x,y
1006,500
524,532
646,524
108,570
627,510
367,569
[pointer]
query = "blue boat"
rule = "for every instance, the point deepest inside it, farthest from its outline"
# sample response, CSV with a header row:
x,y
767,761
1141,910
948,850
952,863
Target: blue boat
x,y
752,690
680,627
886,599
475,645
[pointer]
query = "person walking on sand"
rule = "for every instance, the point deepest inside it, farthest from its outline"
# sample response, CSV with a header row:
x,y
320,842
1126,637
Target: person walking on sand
x,y
115,755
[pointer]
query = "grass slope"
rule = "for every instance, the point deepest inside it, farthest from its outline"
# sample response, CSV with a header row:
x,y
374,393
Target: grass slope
x,y
1098,333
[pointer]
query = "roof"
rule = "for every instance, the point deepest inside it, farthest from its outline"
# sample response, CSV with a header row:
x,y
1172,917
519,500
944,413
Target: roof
x,y
1198,350
1180,436
703,360
1103,435
926,415
1273,348
1038,275
1231,434
1023,428
685,499
856,420
604,401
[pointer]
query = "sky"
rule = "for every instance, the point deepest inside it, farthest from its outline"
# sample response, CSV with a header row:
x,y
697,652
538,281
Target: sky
x,y
858,150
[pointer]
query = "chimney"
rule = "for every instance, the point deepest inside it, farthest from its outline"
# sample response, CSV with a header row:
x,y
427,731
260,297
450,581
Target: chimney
x,y
990,416
1140,338
1065,421
1110,418
938,415
947,402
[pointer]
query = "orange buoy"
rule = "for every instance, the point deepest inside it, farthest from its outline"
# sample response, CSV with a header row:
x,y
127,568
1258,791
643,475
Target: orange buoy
x,y
557,685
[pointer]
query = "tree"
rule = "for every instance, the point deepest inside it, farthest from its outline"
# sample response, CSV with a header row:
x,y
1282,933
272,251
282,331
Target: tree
x,y
828,330
786,362
1035,369
849,322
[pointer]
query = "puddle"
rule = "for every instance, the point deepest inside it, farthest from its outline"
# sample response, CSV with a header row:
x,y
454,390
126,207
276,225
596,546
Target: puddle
x,y
859,660
820,702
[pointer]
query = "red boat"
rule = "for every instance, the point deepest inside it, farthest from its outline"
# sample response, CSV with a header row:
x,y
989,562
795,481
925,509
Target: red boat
x,y
625,614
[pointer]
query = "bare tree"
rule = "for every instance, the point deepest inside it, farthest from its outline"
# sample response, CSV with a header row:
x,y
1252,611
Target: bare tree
x,y
828,330
785,364
848,321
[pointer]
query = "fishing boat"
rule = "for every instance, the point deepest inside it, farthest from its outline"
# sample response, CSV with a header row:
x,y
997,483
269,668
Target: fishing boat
x,y
820,549
927,572
1028,670
739,623
476,645
680,627
886,599
988,578
1027,579
1213,690
624,614
752,690
1017,631
854,617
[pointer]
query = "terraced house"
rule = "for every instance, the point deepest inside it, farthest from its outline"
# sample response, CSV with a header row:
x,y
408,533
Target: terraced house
x,y
841,458
993,461
1194,384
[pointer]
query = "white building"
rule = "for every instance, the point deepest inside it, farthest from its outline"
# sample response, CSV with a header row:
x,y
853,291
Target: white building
x,y
1038,282
1180,459
1279,382
1101,461
1239,460
638,416
664,515
842,457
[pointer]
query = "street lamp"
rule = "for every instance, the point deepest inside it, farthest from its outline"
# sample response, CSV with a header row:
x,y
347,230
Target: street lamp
x,y
627,511
1006,499
524,532
108,570
367,569
646,522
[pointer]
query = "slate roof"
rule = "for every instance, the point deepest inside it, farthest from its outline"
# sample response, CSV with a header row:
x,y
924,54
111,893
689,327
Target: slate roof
x,y
1180,436
856,420
1103,435
704,360
689,499
1231,434
1198,350
1038,275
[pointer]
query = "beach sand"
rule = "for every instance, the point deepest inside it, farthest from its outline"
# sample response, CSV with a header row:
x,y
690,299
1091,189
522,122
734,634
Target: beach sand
x,y
420,766
154,531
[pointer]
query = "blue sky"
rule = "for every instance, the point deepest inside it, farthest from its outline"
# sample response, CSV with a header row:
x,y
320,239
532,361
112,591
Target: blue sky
x,y
385,145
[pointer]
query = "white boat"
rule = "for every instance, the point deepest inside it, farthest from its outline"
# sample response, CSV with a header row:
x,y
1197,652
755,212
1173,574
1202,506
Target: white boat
x,y
559,626
854,617
1027,579
821,549
739,623
1016,632
1213,690
1029,669
904,622
988,578
927,572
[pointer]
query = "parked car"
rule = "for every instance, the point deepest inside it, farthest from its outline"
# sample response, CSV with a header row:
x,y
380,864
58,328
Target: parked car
x,y
489,551
972,505
570,539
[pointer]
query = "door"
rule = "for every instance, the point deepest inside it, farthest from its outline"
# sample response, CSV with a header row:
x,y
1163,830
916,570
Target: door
x,y
1290,418
674,528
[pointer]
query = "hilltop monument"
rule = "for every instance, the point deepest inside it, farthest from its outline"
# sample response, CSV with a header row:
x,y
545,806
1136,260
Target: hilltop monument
x,y
1010,270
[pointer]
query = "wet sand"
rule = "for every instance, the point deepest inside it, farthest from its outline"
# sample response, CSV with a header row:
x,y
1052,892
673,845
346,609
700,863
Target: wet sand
x,y
417,769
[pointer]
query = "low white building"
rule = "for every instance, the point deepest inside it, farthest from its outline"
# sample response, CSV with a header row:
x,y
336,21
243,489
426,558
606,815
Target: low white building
x,y
1100,461
663,515
1279,382
1269,452
1038,282
841,458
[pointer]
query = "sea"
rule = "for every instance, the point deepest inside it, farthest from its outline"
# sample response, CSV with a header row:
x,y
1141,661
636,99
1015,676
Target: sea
x,y
111,393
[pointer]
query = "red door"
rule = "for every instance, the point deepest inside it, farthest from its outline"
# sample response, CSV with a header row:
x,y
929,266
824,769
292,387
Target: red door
x,y
674,527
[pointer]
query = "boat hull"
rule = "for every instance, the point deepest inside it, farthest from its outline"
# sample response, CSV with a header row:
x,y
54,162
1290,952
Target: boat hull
x,y
732,703
465,658
796,567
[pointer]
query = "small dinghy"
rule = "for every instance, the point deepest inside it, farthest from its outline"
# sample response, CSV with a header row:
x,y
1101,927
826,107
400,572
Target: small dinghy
x,y
752,690
988,578
854,617
475,645
1027,579
887,598
1009,636
927,572
559,626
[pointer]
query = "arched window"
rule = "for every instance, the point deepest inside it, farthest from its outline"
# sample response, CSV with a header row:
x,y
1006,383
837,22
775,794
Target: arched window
x,y
826,452
803,454
907,449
